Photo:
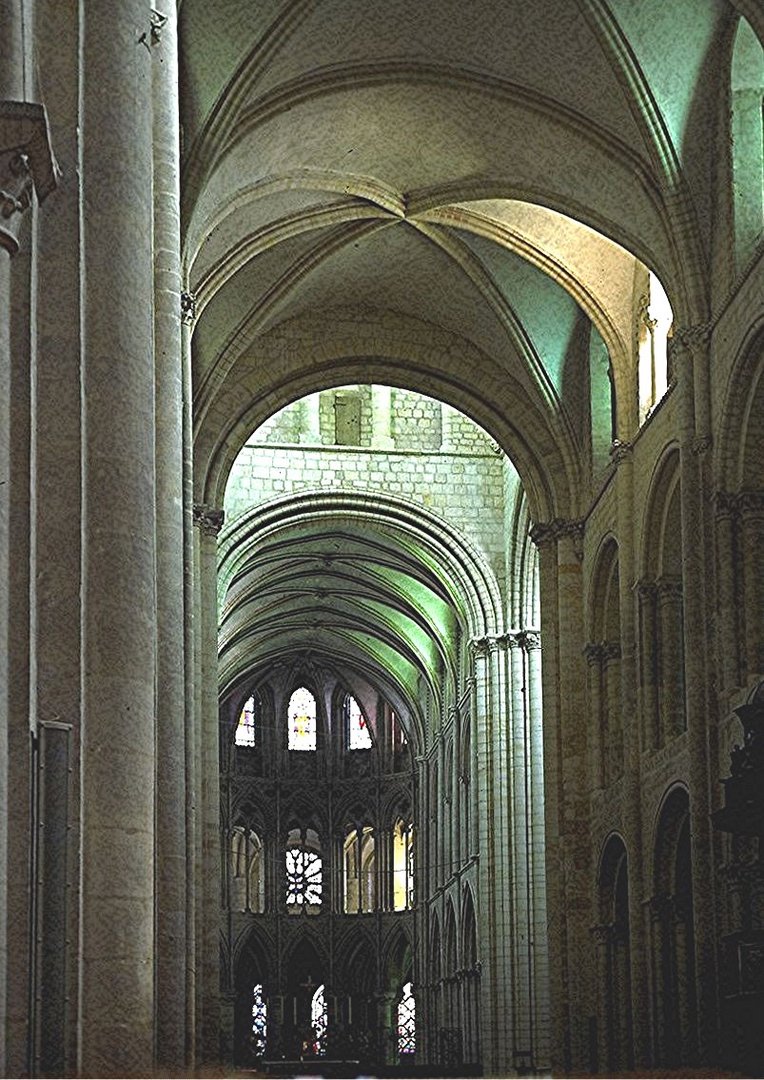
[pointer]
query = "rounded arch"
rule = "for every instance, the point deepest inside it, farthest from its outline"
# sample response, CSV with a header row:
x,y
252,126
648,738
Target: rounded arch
x,y
346,351
738,463
604,596
671,829
662,525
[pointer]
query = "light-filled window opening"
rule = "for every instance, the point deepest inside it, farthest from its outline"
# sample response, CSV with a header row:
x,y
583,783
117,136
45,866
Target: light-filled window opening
x,y
302,720
403,866
747,122
407,1021
319,1020
358,734
247,877
655,319
259,1021
246,729
360,871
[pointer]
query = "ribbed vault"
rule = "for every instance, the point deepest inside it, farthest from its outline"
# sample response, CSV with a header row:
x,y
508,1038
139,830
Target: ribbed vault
x,y
349,173
377,586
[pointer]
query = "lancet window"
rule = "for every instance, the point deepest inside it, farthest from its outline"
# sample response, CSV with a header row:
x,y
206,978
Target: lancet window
x,y
403,866
246,729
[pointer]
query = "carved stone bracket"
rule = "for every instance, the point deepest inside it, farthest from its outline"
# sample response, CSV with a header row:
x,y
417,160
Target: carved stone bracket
x,y
26,164
611,650
208,519
188,307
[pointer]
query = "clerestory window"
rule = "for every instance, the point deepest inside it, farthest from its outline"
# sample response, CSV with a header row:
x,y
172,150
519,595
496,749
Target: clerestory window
x,y
357,734
302,720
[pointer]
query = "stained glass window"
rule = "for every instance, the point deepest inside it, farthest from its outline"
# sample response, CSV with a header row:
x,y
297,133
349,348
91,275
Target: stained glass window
x,y
358,735
407,1021
304,873
259,1021
245,729
302,720
318,1020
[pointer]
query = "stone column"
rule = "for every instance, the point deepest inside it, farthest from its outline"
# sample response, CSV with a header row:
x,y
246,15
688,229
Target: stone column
x,y
26,171
750,506
631,740
594,660
613,748
669,604
531,646
381,417
566,788
191,622
15,199
727,570
495,842
543,537
691,356
171,850
119,529
209,521
648,649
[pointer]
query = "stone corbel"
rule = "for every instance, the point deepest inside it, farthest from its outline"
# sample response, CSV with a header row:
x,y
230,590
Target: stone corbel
x,y
27,166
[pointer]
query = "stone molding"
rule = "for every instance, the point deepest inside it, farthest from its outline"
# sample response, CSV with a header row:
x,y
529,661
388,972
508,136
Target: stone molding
x,y
208,519
27,165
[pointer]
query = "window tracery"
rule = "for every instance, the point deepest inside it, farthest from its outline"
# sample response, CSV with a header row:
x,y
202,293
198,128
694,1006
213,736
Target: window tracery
x,y
318,1020
304,871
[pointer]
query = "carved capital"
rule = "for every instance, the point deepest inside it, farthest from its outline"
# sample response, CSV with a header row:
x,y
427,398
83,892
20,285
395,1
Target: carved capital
x,y
26,165
643,313
593,654
750,504
611,650
530,640
602,934
513,640
187,307
701,444
546,532
689,340
669,588
646,591
208,519
620,452
725,505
